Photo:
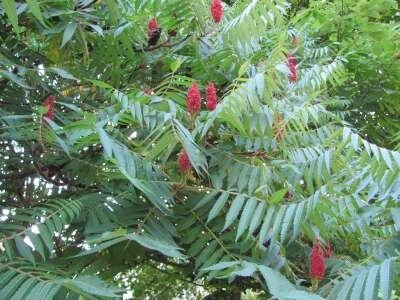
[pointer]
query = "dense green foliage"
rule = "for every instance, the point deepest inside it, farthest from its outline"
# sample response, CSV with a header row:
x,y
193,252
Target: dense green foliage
x,y
367,33
93,202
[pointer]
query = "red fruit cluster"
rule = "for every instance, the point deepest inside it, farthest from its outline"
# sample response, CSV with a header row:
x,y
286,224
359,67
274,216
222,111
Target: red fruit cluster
x,y
184,162
216,10
193,99
317,260
49,104
211,96
151,26
292,60
148,91
292,64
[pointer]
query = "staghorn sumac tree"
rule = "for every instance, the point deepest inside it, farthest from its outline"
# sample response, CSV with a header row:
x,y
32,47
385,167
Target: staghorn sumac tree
x,y
215,153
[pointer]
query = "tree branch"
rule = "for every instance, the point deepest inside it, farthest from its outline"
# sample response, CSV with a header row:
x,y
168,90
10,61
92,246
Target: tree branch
x,y
165,44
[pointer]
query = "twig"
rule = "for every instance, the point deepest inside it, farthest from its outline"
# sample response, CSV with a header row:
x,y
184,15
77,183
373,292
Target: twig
x,y
252,153
165,44
141,225
147,216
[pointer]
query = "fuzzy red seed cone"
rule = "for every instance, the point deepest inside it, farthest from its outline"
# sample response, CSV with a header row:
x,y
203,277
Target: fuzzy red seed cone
x,y
184,162
216,10
151,26
291,60
211,96
317,262
293,71
292,65
293,74
193,99
49,104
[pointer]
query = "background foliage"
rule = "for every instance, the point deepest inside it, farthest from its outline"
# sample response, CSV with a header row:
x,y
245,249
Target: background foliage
x,y
93,202
367,34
